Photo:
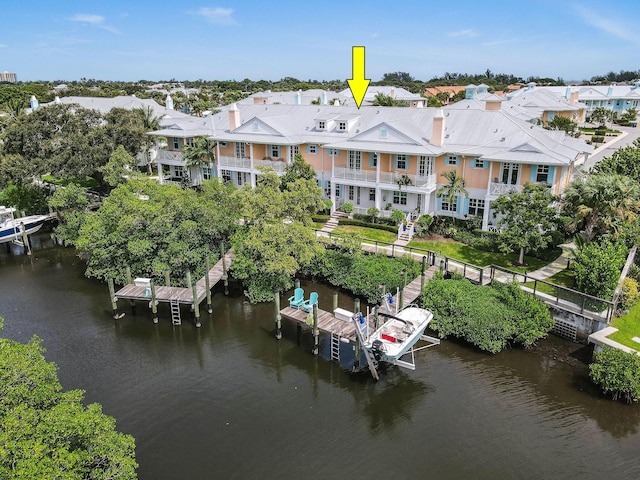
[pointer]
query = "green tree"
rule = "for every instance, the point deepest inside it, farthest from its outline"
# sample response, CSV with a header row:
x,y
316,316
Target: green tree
x,y
602,116
201,154
70,203
601,203
624,161
15,169
563,123
48,433
617,373
527,219
630,115
382,100
453,189
150,123
29,198
597,268
125,128
295,170
119,165
373,213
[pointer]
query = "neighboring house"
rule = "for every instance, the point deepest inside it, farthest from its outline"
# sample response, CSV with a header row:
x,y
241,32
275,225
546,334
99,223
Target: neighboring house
x,y
413,99
9,77
544,104
314,96
442,92
618,98
390,157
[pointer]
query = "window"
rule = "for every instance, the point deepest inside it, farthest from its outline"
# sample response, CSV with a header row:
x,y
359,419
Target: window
x,y
425,166
400,198
322,125
206,173
373,159
451,161
293,151
350,192
223,144
327,189
226,175
338,190
178,171
240,177
334,152
476,207
355,160
449,207
275,151
542,174
175,143
383,133
313,149
510,173
477,163
189,141
240,150
372,194
342,126
256,126
401,162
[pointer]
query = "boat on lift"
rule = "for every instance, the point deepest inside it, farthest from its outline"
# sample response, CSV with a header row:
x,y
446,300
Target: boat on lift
x,y
396,337
12,228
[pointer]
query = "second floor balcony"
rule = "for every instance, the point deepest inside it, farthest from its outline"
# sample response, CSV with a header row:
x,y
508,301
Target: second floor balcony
x,y
245,163
386,178
496,188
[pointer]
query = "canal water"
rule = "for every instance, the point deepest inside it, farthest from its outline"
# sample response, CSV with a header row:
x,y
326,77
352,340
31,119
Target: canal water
x,y
229,401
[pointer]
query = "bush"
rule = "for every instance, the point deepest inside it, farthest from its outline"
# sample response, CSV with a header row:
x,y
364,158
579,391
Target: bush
x,y
630,295
617,373
347,207
489,317
367,218
373,213
363,274
398,216
423,224
320,218
362,223
598,268
597,139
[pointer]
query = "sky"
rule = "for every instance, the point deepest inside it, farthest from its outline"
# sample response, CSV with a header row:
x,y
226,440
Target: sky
x,y
233,40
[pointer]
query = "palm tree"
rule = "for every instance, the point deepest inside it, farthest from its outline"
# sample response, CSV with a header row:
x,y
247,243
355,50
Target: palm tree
x,y
200,154
453,189
150,123
600,202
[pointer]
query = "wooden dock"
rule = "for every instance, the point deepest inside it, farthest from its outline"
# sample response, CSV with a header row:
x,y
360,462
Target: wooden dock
x,y
328,323
178,294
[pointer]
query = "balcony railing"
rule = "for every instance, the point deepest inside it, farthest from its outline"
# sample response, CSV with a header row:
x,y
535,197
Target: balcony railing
x,y
278,165
165,156
388,178
504,188
234,162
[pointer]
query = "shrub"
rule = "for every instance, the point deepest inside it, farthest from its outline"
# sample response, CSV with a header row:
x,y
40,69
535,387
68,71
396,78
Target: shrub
x,y
373,212
630,295
489,317
362,223
347,207
397,216
423,224
327,205
320,218
598,268
597,138
617,373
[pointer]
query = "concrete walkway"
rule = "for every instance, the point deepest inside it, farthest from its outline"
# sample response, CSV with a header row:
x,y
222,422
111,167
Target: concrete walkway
x,y
556,266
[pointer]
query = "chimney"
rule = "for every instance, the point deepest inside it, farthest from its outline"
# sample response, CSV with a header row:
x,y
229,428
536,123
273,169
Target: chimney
x,y
437,136
33,102
610,91
567,94
169,102
299,97
470,91
392,93
492,105
56,100
234,117
323,98
573,99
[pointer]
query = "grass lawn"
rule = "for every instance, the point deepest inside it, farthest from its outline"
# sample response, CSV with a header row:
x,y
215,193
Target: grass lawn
x,y
317,225
460,251
564,278
368,233
628,327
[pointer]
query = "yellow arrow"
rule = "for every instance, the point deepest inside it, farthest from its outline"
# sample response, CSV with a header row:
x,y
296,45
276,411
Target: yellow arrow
x,y
358,84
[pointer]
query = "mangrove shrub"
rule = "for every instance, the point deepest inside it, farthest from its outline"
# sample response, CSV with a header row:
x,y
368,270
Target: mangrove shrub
x,y
617,373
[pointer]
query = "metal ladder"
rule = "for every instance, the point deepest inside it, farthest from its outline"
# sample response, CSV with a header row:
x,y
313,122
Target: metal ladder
x,y
361,332
335,347
175,311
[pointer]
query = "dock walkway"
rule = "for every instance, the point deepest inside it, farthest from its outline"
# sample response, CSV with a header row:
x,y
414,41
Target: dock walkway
x,y
179,294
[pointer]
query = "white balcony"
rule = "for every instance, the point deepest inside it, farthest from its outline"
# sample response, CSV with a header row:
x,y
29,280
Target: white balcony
x,y
278,165
503,188
233,162
386,178
168,157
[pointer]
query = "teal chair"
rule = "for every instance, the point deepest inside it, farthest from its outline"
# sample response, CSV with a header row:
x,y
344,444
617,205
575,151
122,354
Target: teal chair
x,y
298,298
307,305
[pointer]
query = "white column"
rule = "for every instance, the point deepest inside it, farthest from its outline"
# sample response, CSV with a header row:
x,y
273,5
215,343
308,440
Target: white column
x,y
485,215
160,179
218,168
252,175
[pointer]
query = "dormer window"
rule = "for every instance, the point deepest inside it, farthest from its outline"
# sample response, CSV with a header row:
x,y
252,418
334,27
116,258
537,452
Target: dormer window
x,y
342,126
322,125
256,126
383,133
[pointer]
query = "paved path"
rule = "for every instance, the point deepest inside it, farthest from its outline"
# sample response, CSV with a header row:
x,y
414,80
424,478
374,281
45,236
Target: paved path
x,y
629,134
556,266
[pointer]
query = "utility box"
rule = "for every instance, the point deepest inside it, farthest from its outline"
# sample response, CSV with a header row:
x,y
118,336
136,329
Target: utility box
x,y
144,282
342,314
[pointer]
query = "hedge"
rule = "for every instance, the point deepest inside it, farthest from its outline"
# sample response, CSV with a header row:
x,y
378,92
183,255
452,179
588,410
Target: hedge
x,y
360,223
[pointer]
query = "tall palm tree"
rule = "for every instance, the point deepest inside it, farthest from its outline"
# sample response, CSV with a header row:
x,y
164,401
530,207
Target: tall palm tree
x,y
200,154
453,189
150,123
600,202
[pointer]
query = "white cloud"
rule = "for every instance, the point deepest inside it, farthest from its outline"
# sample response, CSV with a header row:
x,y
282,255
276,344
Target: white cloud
x,y
218,15
612,27
463,33
499,42
96,20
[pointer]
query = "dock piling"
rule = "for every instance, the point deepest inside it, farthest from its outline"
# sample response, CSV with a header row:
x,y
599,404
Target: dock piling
x,y
207,285
167,278
194,293
316,330
25,239
356,348
132,303
335,300
114,299
225,275
296,283
154,303
276,298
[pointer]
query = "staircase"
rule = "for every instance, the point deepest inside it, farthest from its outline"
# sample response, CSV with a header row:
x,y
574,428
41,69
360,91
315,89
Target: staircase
x,y
333,221
175,311
404,236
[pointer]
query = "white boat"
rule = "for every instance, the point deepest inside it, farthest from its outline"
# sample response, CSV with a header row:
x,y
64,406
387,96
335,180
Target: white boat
x,y
11,228
396,337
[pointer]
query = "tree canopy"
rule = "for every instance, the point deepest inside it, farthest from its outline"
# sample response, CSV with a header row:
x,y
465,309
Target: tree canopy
x,y
48,433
